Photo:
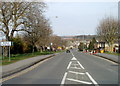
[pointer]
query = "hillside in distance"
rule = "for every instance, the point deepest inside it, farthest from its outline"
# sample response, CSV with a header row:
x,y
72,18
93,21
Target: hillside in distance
x,y
81,37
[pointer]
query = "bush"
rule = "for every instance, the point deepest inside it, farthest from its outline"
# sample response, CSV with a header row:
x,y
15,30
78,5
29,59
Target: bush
x,y
92,43
17,46
82,46
27,48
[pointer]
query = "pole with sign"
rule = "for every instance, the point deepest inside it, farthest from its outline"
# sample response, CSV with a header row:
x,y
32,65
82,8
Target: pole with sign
x,y
8,44
9,54
2,52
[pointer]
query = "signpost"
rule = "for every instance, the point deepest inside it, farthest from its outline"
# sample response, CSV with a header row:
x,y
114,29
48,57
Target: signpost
x,y
4,44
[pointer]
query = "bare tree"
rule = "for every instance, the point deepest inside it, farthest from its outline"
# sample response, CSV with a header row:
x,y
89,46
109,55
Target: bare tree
x,y
57,41
39,35
13,16
108,31
39,28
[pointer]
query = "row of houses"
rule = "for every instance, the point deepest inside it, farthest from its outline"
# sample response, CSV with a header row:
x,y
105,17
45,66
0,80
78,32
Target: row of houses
x,y
107,47
75,41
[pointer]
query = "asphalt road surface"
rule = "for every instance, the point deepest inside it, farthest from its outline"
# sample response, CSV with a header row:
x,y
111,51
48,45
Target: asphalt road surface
x,y
71,68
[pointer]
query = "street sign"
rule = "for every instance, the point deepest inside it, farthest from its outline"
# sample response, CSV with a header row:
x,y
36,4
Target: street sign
x,y
6,43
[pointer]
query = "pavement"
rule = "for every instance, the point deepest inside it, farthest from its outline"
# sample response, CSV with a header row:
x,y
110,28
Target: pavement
x,y
20,65
71,68
113,58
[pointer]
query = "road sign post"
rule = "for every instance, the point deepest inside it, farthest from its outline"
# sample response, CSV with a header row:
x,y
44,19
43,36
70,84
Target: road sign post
x,y
9,54
2,52
8,44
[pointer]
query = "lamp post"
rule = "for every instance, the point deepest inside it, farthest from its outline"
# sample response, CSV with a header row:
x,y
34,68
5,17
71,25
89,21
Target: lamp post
x,y
51,46
83,40
2,47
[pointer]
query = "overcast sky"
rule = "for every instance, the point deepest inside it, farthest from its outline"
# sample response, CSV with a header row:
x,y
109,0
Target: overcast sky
x,y
76,18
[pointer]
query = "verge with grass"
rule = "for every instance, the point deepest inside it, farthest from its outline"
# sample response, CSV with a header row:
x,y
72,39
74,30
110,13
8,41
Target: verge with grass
x,y
18,57
118,54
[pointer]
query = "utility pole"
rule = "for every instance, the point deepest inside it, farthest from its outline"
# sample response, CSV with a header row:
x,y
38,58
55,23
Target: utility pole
x,y
83,41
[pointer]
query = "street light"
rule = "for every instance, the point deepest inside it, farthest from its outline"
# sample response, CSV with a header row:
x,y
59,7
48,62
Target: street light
x,y
83,40
51,46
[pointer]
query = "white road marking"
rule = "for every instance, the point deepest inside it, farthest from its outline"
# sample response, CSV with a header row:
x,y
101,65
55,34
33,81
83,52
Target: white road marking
x,y
84,82
73,58
69,65
75,68
64,77
70,79
94,82
76,72
80,65
75,64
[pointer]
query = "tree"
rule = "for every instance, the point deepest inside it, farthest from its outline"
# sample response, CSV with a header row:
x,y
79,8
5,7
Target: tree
x,y
92,44
14,17
39,29
57,41
17,45
80,47
108,31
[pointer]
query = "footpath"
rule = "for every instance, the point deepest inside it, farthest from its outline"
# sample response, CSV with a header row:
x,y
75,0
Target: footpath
x,y
110,57
13,68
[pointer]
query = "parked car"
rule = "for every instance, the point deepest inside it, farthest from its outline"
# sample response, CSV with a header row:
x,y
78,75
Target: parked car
x,y
67,51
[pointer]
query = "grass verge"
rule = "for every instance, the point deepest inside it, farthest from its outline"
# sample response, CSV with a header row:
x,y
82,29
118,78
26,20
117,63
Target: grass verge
x,y
118,54
18,57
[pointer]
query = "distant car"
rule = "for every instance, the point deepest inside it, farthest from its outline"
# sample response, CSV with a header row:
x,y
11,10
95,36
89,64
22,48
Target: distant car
x,y
71,48
67,51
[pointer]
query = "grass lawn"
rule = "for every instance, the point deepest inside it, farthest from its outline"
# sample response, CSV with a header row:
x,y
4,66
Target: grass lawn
x,y
17,57
113,53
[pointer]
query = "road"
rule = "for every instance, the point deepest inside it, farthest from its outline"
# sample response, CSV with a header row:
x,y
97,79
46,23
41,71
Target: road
x,y
71,68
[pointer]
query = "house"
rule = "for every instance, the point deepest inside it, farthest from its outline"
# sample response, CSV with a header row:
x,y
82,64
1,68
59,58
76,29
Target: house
x,y
106,47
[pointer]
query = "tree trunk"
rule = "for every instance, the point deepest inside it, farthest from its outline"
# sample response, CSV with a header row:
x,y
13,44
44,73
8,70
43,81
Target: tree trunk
x,y
111,48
